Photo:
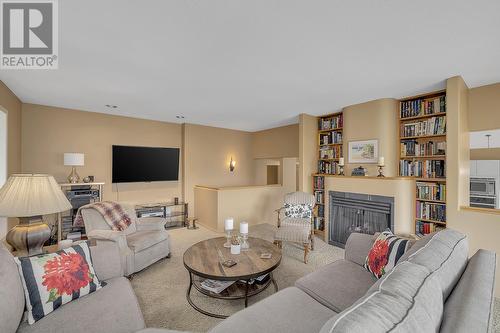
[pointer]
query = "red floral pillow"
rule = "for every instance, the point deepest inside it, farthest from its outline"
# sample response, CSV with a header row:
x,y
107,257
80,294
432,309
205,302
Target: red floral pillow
x,y
51,280
385,253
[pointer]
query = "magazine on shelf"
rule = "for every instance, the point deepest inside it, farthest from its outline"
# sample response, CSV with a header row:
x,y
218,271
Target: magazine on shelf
x,y
216,286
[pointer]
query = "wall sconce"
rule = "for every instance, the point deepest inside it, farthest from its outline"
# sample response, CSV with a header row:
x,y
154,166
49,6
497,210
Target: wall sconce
x,y
232,164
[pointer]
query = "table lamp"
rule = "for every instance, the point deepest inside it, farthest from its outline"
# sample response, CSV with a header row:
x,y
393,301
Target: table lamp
x,y
28,197
73,160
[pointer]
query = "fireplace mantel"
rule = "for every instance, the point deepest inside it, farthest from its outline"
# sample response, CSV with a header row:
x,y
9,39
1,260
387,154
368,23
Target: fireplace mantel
x,y
401,188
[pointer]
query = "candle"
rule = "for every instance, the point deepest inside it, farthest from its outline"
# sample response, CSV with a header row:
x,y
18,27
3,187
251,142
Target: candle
x,y
341,161
228,223
381,161
243,228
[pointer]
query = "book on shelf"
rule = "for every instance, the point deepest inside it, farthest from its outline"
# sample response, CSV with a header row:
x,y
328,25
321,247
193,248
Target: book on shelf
x,y
216,286
421,107
431,126
431,191
423,228
319,195
318,223
327,167
327,152
332,122
330,138
431,211
423,168
319,182
410,148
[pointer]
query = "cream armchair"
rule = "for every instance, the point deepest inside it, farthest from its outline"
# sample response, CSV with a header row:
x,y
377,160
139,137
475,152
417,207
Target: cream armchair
x,y
143,243
297,223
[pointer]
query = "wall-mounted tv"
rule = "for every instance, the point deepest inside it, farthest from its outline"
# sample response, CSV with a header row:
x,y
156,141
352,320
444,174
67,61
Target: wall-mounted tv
x,y
145,164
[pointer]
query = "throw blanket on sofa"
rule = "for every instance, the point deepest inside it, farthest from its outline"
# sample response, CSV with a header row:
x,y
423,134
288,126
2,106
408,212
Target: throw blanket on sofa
x,y
112,212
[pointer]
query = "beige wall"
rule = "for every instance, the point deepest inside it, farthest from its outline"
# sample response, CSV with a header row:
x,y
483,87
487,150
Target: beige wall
x,y
276,142
308,151
49,132
208,151
482,229
484,107
10,104
253,204
373,120
485,154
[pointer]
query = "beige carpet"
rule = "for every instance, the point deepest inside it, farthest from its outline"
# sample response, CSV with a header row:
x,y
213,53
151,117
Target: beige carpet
x,y
161,289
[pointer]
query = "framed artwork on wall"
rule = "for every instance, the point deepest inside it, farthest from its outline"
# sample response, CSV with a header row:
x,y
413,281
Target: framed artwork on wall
x,y
363,151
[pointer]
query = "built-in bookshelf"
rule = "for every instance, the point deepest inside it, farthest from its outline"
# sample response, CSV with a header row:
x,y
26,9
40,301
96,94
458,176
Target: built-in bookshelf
x,y
330,150
422,138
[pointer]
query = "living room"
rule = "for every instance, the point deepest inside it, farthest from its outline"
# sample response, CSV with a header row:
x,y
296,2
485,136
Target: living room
x,y
246,173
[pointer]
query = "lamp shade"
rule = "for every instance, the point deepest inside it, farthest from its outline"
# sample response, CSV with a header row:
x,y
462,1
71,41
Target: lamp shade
x,y
25,195
74,159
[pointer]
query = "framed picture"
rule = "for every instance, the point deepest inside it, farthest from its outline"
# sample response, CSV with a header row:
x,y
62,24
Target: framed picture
x,y
363,151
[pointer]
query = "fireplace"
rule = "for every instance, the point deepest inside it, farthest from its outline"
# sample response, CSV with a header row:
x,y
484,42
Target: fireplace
x,y
355,212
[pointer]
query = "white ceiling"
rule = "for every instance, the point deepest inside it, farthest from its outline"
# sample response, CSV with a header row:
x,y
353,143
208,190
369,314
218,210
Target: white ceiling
x,y
257,64
480,139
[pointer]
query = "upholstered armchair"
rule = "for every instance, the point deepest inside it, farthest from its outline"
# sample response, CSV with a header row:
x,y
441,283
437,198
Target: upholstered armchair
x,y
143,243
295,221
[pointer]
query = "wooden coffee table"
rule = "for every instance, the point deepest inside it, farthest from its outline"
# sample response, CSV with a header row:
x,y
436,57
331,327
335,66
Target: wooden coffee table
x,y
204,260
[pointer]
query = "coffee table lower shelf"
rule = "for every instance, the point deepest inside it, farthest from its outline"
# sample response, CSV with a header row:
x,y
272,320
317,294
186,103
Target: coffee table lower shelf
x,y
238,290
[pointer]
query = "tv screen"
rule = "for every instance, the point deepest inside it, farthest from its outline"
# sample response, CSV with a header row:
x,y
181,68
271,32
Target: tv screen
x,y
145,164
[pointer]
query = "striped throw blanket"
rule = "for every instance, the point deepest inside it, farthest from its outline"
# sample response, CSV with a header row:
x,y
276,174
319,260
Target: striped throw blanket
x,y
112,212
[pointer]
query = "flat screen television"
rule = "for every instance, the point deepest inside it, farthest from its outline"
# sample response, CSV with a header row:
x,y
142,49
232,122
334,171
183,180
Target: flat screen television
x,y
145,164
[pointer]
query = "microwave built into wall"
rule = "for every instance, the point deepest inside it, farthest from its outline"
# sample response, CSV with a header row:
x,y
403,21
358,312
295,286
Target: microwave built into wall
x,y
483,192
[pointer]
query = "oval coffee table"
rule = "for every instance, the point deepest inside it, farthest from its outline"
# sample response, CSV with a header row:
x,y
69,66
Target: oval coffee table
x,y
204,260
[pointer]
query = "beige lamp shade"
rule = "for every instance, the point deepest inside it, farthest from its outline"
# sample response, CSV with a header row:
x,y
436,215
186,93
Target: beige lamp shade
x,y
25,195
74,159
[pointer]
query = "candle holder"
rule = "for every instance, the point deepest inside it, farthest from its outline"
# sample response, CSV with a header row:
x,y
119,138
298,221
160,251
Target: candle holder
x,y
341,170
244,242
229,235
381,171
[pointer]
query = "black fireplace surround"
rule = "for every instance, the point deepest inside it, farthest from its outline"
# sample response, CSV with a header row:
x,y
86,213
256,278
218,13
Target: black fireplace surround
x,y
356,212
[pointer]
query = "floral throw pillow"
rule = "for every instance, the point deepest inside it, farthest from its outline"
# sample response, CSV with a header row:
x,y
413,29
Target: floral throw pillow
x,y
385,253
303,211
51,280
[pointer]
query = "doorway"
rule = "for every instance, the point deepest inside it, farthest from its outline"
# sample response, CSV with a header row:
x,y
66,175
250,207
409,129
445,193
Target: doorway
x,y
272,175
3,164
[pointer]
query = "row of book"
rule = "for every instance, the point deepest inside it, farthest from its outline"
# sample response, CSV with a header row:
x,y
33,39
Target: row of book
x,y
333,122
431,126
329,152
319,195
431,211
321,211
431,191
319,182
330,137
319,223
413,148
424,228
327,167
423,169
420,107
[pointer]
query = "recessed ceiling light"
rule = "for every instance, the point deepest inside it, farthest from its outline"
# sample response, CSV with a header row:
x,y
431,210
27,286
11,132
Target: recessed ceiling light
x,y
179,117
111,106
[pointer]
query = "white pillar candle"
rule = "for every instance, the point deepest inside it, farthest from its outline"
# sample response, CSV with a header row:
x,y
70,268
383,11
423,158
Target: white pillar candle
x,y
228,223
341,161
243,228
381,161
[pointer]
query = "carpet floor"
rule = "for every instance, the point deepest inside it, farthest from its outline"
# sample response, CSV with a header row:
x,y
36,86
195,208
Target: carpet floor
x,y
161,288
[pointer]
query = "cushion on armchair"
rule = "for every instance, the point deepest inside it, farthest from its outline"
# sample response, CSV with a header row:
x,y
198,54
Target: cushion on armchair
x,y
54,279
303,211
